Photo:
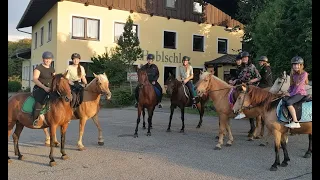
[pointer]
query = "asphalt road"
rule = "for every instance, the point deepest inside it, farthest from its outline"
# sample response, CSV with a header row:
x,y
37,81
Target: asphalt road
x,y
161,156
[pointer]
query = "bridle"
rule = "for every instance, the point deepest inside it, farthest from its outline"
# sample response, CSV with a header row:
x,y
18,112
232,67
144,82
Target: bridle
x,y
284,81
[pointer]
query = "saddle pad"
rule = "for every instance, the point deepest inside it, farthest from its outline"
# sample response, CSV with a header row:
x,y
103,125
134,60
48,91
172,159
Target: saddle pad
x,y
28,104
158,93
230,98
306,112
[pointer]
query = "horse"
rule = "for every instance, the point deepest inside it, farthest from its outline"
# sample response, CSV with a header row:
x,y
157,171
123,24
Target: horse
x,y
180,97
58,113
147,99
267,103
219,91
89,108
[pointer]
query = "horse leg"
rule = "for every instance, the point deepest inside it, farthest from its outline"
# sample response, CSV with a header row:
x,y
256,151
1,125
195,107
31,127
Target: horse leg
x,y
309,152
143,117
262,127
200,107
182,119
63,140
222,126
47,141
15,136
170,119
138,121
97,123
82,124
230,141
53,130
10,127
256,129
150,114
277,139
285,151
252,127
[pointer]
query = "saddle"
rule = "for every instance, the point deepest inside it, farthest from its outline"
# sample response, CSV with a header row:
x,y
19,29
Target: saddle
x,y
28,106
77,94
303,109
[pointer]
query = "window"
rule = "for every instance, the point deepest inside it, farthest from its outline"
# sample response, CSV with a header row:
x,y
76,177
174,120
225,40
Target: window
x,y
222,46
85,28
197,7
169,40
171,3
198,43
119,29
49,30
35,40
41,36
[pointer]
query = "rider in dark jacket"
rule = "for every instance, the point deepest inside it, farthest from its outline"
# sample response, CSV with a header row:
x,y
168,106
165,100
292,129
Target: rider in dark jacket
x,y
153,76
238,70
265,72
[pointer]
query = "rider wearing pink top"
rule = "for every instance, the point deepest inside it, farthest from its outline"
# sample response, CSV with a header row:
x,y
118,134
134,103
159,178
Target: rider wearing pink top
x,y
297,91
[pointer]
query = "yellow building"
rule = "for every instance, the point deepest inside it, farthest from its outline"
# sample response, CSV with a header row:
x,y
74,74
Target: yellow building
x,y
170,29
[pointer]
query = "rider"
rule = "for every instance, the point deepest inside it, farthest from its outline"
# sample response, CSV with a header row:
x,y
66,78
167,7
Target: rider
x,y
42,78
238,70
297,91
76,73
153,76
186,74
249,74
265,72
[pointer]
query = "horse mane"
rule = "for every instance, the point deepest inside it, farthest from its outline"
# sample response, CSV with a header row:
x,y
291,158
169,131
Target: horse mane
x,y
139,74
55,81
262,97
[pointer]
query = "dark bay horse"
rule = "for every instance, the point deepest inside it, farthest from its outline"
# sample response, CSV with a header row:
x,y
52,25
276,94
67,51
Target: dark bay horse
x,y
89,108
180,97
59,114
147,99
266,103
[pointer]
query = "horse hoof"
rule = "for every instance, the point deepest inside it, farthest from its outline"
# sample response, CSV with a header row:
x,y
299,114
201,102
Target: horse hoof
x,y
257,137
181,131
135,135
250,139
81,148
21,157
217,137
53,163
307,155
228,145
9,161
47,145
64,157
250,135
56,144
284,164
217,148
273,168
198,126
101,143
262,144
148,134
143,127
168,130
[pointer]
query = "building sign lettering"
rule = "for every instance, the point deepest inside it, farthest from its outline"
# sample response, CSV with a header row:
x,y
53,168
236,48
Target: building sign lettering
x,y
163,57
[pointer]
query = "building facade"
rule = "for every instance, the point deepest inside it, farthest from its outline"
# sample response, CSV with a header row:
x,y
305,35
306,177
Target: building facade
x,y
170,29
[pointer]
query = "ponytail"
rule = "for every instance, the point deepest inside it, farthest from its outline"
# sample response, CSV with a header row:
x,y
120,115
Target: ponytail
x,y
79,70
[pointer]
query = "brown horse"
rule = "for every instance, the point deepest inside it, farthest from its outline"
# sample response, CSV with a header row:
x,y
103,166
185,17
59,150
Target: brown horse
x,y
218,91
147,99
89,108
266,103
59,114
178,98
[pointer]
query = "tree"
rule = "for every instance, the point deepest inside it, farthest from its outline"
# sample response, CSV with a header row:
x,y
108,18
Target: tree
x,y
128,49
15,65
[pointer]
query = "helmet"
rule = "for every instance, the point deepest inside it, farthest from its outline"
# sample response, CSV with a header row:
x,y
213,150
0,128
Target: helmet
x,y
244,54
263,58
75,55
238,57
47,55
150,56
186,58
297,60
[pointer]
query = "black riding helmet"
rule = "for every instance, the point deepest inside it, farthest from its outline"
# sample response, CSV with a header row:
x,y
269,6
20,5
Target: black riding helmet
x,y
150,56
75,55
47,55
185,58
297,60
245,54
263,58
238,57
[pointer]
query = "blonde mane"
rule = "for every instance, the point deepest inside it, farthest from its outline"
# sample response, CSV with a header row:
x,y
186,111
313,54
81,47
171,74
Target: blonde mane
x,y
205,74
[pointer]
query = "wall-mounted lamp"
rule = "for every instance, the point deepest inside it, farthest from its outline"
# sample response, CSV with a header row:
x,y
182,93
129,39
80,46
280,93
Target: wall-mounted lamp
x,y
168,17
110,7
151,14
131,11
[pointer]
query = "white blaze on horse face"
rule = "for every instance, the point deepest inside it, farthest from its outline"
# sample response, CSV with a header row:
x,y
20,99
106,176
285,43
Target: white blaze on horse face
x,y
203,83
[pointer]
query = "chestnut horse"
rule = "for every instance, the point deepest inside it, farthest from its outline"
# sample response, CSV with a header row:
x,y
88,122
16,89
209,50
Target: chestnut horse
x,y
176,90
266,103
89,108
59,114
147,99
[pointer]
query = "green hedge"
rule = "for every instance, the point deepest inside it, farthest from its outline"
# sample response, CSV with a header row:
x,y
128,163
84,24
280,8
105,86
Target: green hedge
x,y
14,86
120,97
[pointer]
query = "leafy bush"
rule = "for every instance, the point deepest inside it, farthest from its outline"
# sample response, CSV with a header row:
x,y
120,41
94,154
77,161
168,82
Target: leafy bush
x,y
121,97
14,86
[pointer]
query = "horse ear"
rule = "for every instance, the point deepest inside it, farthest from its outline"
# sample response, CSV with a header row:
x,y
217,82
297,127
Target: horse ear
x,y
94,75
244,87
284,73
104,73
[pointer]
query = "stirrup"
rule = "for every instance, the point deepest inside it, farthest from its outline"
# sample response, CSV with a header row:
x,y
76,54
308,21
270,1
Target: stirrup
x,y
35,123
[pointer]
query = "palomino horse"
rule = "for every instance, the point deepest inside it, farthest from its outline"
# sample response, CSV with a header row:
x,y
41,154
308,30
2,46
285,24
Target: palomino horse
x,y
147,99
89,108
266,103
181,98
218,91
59,114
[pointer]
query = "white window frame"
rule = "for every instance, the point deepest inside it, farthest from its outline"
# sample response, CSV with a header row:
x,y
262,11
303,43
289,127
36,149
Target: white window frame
x,y
88,17
49,36
202,42
35,40
41,36
194,7
176,43
123,22
224,38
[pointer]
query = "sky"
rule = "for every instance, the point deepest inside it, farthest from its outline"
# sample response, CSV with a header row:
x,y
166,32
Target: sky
x,y
16,9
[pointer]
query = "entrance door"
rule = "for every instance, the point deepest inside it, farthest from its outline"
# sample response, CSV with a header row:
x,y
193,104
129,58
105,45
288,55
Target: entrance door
x,y
168,70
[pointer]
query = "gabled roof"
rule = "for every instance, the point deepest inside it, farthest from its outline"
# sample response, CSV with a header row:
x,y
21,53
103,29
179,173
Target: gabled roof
x,y
225,59
35,10
22,53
